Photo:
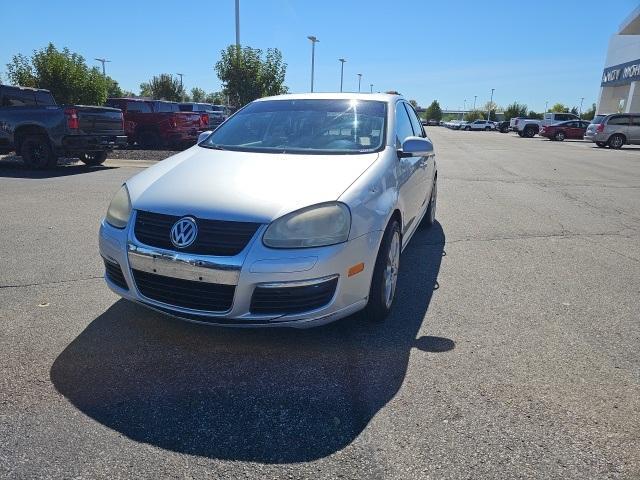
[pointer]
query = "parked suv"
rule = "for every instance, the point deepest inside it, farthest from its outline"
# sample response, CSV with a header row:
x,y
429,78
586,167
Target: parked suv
x,y
39,130
614,130
551,118
156,123
480,125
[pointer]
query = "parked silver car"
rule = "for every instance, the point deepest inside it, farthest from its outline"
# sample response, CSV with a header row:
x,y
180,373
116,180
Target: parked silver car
x,y
294,212
614,130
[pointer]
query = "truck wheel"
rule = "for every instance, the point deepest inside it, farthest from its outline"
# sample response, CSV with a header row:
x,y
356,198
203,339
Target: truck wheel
x,y
149,139
37,153
93,159
529,132
385,275
559,136
601,144
616,141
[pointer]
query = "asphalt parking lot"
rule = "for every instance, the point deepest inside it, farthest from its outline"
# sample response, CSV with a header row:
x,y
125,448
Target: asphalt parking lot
x,y
513,350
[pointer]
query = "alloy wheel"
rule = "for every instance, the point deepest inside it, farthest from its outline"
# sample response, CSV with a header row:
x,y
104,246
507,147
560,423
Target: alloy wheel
x,y
391,269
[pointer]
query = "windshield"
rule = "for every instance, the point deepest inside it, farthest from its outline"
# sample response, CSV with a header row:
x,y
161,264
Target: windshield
x,y
304,126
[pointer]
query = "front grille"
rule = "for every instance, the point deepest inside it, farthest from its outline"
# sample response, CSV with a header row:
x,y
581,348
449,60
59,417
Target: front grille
x,y
114,273
215,237
283,300
212,297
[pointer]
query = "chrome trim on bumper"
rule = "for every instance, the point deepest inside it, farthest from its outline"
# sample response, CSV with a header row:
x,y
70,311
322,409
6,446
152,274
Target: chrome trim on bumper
x,y
297,283
222,270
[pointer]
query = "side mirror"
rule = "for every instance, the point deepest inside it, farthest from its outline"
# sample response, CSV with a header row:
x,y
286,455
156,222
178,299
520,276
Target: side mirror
x,y
416,147
204,135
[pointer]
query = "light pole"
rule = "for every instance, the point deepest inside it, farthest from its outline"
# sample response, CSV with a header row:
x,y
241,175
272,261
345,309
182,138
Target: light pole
x,y
490,105
474,101
359,80
342,60
371,87
314,40
181,89
238,25
546,106
103,61
581,100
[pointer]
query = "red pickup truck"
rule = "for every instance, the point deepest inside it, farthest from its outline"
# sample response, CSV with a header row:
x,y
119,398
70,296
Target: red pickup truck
x,y
156,123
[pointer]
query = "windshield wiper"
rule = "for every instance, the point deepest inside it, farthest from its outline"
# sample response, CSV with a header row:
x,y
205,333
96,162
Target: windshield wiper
x,y
213,146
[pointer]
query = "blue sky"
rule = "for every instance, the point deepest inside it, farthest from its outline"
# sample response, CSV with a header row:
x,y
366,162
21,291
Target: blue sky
x,y
446,50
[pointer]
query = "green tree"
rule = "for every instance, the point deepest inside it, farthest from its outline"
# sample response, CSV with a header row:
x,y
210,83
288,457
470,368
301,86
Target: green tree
x,y
163,87
113,89
413,103
472,115
515,110
247,74
559,108
198,95
217,98
534,115
63,72
433,111
589,114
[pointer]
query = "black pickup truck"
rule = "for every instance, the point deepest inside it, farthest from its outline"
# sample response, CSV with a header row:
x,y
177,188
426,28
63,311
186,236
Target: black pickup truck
x,y
39,130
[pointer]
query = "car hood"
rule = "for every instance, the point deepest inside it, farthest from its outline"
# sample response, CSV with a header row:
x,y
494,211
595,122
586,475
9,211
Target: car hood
x,y
243,186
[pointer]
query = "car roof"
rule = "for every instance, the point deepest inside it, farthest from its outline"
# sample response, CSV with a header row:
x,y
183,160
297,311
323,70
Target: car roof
x,y
381,97
19,87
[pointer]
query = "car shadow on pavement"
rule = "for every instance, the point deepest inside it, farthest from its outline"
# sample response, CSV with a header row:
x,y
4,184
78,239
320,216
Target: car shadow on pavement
x,y
266,395
12,167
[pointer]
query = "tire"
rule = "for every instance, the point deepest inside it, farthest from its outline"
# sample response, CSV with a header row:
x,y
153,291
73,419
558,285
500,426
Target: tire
x,y
37,153
385,276
529,132
616,141
520,134
486,129
430,216
92,159
601,144
149,139
559,136
467,128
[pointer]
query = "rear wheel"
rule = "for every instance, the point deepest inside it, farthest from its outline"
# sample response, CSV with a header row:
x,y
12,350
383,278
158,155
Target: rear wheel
x,y
616,141
385,275
601,144
93,159
559,136
37,153
529,132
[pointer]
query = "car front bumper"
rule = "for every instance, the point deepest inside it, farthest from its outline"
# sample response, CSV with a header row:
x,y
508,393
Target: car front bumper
x,y
255,266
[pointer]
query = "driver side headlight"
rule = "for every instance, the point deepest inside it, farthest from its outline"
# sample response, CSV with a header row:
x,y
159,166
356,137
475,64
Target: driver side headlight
x,y
119,209
316,226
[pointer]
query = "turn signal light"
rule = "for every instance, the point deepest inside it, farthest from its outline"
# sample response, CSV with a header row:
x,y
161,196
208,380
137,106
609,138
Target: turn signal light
x,y
355,269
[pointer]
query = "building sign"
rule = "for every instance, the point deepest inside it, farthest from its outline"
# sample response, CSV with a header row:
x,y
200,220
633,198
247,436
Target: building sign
x,y
621,74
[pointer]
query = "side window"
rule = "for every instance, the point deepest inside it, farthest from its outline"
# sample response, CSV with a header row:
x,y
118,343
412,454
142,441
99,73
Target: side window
x,y
415,121
138,107
45,98
619,120
15,97
403,124
635,121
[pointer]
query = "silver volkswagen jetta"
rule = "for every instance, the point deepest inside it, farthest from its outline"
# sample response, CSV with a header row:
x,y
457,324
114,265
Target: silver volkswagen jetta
x,y
293,212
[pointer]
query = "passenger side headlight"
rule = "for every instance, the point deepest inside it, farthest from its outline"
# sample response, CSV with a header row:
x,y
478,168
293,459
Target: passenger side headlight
x,y
119,209
315,226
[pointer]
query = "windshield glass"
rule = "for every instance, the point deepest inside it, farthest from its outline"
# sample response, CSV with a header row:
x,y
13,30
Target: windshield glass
x,y
304,126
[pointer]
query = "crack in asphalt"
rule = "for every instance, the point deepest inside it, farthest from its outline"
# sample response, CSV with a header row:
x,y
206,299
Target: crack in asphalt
x,y
38,284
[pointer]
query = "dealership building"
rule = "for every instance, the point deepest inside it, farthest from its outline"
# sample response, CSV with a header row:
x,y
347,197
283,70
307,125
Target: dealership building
x,y
620,87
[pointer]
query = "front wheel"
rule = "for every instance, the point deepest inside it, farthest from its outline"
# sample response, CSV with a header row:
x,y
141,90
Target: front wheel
x,y
529,132
93,159
559,136
385,275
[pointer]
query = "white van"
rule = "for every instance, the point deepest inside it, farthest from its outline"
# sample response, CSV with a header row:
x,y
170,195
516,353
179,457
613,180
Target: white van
x,y
552,118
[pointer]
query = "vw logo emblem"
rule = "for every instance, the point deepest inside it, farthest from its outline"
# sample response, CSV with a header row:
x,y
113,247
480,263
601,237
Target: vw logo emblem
x,y
184,232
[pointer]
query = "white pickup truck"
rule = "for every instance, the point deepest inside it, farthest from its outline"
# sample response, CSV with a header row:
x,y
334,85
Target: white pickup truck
x,y
525,127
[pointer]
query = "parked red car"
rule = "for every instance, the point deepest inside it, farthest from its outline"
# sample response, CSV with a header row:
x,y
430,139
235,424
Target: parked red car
x,y
156,123
572,129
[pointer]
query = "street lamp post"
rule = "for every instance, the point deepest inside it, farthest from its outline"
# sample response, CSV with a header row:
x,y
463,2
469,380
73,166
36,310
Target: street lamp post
x,y
238,25
371,87
314,40
103,61
546,106
474,101
181,89
342,60
490,105
359,80
581,100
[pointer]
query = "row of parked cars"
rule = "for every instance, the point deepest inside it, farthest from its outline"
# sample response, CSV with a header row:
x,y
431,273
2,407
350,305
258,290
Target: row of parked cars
x,y
612,130
34,126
